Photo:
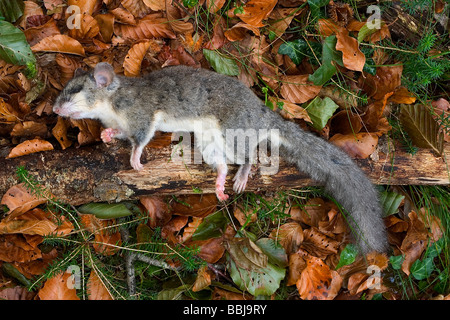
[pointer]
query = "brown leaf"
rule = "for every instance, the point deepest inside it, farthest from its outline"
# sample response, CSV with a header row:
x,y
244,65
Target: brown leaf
x,y
239,30
414,242
133,60
155,5
297,263
318,282
36,34
157,209
214,5
106,24
281,18
298,89
58,287
359,146
136,7
89,130
86,6
123,16
87,29
29,128
318,244
59,131
402,95
151,26
59,43
327,27
95,288
314,211
107,238
39,227
67,65
245,216
352,57
19,201
218,37
346,122
255,11
195,205
15,248
175,19
28,147
16,293
289,235
31,9
386,80
203,279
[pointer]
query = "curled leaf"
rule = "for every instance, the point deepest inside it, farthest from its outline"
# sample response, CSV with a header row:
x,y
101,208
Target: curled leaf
x,y
28,147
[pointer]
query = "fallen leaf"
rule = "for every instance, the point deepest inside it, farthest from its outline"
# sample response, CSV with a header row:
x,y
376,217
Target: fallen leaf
x,y
289,235
298,89
386,80
255,11
175,19
29,128
149,27
19,200
59,287
15,248
157,210
318,244
327,27
28,147
16,293
59,43
195,205
239,30
123,16
359,146
36,34
85,6
155,5
203,279
87,29
133,60
59,131
95,288
318,282
352,57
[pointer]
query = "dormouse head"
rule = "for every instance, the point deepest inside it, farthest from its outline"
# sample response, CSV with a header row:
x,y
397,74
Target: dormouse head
x,y
83,96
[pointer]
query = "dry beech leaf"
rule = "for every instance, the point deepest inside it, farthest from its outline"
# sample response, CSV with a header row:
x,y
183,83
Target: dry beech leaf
x,y
67,66
346,122
318,282
29,128
171,230
59,287
195,205
36,34
136,7
214,5
386,80
298,89
106,239
175,19
327,27
28,147
239,30
359,146
86,6
402,96
157,210
245,216
16,293
218,37
290,110
106,24
281,18
32,227
203,279
151,26
31,9
88,28
15,248
155,5
96,289
19,200
414,242
59,131
59,43
190,229
314,211
7,112
123,16
255,11
133,60
89,130
318,244
352,57
297,263
289,235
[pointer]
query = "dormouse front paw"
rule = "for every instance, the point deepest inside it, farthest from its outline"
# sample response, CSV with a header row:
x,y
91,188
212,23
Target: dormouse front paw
x,y
108,134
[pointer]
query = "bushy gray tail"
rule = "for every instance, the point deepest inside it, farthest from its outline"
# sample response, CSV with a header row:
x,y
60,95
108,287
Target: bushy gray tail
x,y
342,179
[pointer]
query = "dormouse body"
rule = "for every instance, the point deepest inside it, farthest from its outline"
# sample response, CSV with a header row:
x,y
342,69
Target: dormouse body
x,y
181,98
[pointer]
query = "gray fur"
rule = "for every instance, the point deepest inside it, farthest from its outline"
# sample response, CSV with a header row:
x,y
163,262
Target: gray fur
x,y
172,98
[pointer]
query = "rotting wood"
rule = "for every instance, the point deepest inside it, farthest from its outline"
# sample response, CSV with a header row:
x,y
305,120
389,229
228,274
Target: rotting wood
x,y
103,173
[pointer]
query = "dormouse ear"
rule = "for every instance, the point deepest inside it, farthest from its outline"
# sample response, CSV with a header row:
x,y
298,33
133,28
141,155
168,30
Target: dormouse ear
x,y
103,74
79,72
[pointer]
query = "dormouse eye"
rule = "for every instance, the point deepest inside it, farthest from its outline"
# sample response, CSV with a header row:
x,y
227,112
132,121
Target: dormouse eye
x,y
74,89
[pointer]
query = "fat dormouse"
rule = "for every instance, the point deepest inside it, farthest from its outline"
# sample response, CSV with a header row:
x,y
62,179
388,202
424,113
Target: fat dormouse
x,y
181,98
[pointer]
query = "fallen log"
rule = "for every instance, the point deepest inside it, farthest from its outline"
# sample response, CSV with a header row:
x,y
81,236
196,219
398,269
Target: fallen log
x,y
102,172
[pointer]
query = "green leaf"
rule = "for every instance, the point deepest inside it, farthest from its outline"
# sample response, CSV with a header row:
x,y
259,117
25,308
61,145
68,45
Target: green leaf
x,y
220,63
435,248
298,49
348,256
14,47
396,261
315,6
274,251
320,111
327,69
422,269
250,270
190,3
390,201
11,9
365,31
211,227
107,210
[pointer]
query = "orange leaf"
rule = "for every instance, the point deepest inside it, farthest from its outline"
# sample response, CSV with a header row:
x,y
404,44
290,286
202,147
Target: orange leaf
x,y
96,290
402,95
298,89
318,282
59,43
238,31
106,24
152,26
157,209
290,110
123,16
59,131
136,7
36,34
175,19
386,80
59,287
195,205
86,6
28,147
88,28
155,5
289,235
255,11
29,128
203,279
359,146
327,27
15,248
133,60
352,57
7,112
19,200
39,227
214,5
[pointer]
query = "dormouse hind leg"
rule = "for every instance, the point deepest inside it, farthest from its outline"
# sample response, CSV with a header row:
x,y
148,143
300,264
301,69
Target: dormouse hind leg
x,y
222,170
241,177
139,142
